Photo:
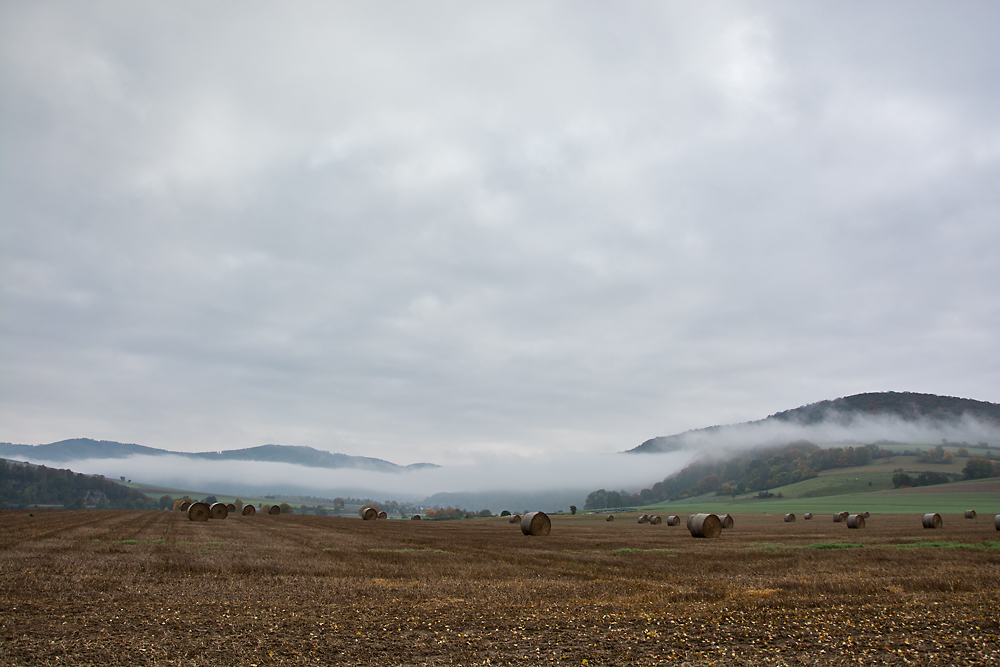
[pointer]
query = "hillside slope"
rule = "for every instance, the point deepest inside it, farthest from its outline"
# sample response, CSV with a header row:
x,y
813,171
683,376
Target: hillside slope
x,y
79,449
906,407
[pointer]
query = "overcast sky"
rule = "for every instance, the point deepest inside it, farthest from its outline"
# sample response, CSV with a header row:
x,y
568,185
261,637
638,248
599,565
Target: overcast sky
x,y
437,231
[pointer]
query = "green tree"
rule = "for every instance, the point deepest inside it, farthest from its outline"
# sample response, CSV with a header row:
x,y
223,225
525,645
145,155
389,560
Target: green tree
x,y
978,467
572,509
166,502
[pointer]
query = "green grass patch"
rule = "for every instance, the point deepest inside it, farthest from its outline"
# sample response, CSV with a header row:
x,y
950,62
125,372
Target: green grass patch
x,y
834,545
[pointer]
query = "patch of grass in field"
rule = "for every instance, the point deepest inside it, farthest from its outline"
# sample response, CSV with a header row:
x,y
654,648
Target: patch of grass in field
x,y
615,552
834,545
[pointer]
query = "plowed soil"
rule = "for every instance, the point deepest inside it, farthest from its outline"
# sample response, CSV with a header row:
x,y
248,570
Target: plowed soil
x,y
152,588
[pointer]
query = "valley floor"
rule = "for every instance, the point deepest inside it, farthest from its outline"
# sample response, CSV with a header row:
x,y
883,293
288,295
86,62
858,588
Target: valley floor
x,y
152,588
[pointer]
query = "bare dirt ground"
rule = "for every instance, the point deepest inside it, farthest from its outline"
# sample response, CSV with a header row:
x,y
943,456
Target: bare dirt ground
x,y
152,588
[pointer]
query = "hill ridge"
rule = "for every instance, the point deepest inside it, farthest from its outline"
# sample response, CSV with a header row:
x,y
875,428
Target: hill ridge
x,y
76,449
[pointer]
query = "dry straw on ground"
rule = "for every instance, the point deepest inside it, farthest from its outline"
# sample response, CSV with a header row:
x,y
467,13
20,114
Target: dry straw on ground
x,y
932,521
536,523
199,512
704,525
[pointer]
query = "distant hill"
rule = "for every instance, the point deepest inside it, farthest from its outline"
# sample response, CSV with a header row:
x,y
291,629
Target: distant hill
x,y
84,448
905,406
26,485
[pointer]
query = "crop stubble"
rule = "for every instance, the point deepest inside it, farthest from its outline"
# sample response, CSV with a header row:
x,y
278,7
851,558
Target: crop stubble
x,y
152,588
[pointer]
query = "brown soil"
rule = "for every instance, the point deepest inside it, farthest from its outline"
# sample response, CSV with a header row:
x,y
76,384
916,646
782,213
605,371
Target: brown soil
x,y
152,588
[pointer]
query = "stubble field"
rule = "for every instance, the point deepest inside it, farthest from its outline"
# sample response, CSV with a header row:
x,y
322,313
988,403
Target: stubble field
x,y
152,588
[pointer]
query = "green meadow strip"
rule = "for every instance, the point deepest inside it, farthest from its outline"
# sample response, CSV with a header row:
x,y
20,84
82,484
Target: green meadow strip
x,y
771,546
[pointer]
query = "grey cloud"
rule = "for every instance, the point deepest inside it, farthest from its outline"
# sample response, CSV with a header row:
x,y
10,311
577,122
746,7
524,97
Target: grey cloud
x,y
432,231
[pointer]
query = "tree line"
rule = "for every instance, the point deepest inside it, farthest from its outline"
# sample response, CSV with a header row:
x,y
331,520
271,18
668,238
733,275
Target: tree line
x,y
24,486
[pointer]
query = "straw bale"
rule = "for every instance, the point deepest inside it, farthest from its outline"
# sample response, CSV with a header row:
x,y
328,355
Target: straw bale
x,y
865,514
996,522
673,520
249,510
218,511
855,521
383,515
185,505
932,521
274,510
807,516
231,508
655,520
644,518
415,517
198,512
368,513
704,525
970,514
727,520
515,518
789,518
611,517
536,523
840,517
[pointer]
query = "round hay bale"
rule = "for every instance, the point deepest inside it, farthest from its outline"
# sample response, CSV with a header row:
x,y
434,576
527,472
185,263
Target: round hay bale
x,y
249,510
996,522
932,521
704,525
644,518
199,512
970,514
218,511
231,508
383,515
415,517
840,517
865,514
727,521
789,518
368,513
611,517
673,520
690,517
807,516
536,523
855,521
274,510
185,505
655,520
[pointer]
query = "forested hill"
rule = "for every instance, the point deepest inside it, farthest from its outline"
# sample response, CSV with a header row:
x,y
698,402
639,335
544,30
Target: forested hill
x,y
905,406
79,449
25,485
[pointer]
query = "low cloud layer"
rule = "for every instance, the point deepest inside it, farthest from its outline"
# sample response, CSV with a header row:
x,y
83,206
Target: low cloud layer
x,y
448,232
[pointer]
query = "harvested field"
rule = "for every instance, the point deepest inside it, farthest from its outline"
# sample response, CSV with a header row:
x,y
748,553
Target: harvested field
x,y
152,588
